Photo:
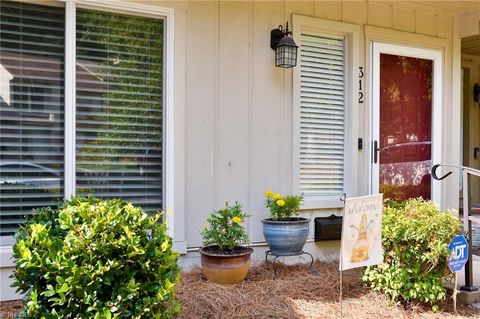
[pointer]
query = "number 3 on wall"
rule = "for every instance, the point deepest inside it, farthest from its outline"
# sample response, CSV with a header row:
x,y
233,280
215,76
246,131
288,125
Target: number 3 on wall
x,y
360,89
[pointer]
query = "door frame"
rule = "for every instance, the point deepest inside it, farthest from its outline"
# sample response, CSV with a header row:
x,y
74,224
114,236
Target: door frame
x,y
436,56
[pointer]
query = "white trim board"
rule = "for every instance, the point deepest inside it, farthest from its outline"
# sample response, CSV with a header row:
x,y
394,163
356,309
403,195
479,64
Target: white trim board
x,y
70,109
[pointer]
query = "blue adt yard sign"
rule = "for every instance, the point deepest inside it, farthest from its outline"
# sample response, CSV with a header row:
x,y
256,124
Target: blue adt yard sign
x,y
459,253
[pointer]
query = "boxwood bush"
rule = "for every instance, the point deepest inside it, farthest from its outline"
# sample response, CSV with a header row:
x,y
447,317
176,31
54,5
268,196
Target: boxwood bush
x,y
95,259
415,238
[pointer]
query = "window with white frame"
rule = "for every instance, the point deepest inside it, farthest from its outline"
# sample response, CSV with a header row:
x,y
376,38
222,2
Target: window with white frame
x,y
323,100
119,126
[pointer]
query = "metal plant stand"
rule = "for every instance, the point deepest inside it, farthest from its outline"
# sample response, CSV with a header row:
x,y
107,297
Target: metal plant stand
x,y
268,252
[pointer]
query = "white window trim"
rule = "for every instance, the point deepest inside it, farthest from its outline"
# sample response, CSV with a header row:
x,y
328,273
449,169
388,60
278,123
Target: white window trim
x,y
69,122
351,32
171,198
434,55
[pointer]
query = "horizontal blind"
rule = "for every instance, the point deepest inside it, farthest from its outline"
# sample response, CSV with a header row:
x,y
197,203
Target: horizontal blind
x,y
31,110
322,119
119,107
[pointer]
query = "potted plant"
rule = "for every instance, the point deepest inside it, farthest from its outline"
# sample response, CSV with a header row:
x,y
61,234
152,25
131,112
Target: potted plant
x,y
223,259
284,232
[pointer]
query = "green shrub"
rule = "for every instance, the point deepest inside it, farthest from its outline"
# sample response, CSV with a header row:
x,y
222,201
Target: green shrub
x,y
415,238
95,259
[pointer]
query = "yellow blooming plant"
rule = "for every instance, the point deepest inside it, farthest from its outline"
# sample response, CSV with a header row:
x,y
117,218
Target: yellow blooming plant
x,y
236,219
282,207
225,229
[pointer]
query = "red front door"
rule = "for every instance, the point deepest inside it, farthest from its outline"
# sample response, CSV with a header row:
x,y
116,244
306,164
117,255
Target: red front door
x,y
405,139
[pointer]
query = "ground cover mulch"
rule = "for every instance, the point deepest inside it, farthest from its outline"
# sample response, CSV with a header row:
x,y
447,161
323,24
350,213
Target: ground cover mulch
x,y
296,292
9,309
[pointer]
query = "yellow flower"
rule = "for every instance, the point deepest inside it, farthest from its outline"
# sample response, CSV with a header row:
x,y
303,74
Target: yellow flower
x,y
280,202
276,196
268,194
237,219
204,228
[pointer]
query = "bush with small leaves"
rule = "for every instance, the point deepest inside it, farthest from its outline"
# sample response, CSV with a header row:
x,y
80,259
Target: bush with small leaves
x,y
95,259
415,238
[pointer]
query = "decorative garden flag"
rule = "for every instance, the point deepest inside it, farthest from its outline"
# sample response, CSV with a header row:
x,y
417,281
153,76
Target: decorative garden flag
x,y
362,232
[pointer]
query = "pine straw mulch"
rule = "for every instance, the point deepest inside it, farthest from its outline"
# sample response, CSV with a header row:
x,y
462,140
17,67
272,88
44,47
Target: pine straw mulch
x,y
9,309
295,293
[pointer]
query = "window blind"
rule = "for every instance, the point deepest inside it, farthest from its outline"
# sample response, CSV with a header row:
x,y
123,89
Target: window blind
x,y
322,73
31,110
119,107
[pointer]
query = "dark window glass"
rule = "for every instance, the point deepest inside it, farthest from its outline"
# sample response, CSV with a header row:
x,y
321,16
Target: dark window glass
x,y
31,110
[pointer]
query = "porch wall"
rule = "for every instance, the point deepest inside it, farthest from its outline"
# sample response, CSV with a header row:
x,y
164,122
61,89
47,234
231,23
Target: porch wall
x,y
238,106
235,107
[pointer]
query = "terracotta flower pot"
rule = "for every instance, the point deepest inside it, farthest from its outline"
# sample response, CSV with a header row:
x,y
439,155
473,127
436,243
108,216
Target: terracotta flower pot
x,y
225,267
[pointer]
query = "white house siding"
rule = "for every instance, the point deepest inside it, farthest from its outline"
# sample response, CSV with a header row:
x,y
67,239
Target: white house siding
x,y
233,120
238,106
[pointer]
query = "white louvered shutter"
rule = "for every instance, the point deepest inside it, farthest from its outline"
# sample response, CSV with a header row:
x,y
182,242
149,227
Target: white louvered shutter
x,y
120,107
31,110
322,118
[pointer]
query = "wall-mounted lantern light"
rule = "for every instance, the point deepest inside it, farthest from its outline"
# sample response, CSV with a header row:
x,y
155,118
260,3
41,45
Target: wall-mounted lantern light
x,y
284,46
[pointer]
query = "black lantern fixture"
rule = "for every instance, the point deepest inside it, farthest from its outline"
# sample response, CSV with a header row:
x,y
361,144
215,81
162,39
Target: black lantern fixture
x,y
284,46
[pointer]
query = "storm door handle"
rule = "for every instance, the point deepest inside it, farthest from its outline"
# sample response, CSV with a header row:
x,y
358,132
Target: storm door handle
x,y
376,150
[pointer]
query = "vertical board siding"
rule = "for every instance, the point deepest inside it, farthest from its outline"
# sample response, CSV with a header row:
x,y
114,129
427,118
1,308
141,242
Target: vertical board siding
x,y
331,10
239,106
425,23
444,27
201,71
355,12
403,19
267,89
232,112
380,14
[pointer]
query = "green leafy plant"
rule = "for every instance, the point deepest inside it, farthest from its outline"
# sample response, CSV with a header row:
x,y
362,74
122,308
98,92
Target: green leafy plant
x,y
282,207
95,259
225,229
415,238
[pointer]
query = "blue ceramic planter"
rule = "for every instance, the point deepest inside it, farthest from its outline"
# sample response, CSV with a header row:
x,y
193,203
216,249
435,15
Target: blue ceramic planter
x,y
286,237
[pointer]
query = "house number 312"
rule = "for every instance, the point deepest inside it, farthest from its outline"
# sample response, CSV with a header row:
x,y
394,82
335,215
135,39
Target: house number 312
x,y
360,88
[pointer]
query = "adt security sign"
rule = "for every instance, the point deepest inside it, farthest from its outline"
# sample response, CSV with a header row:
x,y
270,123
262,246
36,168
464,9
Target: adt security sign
x,y
459,253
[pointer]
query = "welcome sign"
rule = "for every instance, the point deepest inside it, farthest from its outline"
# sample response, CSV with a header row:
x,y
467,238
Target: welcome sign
x,y
362,232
